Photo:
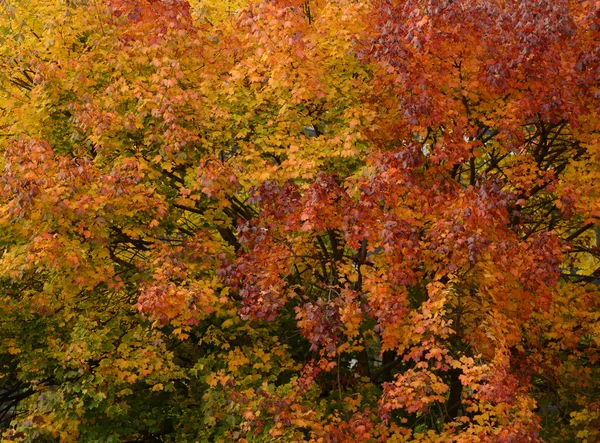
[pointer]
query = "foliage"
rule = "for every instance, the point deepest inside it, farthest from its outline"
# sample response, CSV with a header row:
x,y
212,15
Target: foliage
x,y
300,221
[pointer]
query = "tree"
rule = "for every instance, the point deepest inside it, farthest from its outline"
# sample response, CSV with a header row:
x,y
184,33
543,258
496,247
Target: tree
x,y
305,221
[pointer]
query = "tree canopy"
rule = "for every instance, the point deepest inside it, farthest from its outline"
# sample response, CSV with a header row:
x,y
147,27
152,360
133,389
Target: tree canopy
x,y
300,220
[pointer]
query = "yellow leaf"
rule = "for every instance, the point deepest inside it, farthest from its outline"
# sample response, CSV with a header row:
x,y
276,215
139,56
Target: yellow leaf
x,y
13,350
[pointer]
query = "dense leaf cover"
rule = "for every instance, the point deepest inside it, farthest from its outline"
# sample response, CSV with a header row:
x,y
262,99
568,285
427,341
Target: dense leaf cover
x,y
334,221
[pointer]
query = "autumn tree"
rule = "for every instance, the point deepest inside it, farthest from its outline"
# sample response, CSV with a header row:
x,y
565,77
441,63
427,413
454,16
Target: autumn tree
x,y
300,221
